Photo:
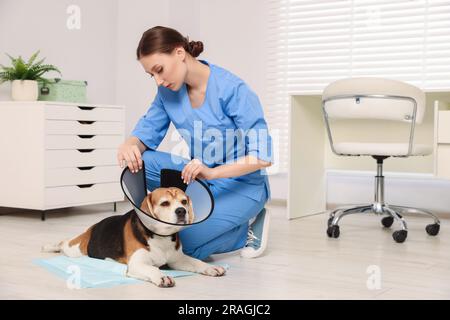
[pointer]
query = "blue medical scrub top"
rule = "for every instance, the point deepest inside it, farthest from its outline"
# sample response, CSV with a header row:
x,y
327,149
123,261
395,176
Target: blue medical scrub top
x,y
228,125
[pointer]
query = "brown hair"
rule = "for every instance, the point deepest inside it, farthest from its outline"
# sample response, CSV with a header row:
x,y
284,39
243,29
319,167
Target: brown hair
x,y
163,40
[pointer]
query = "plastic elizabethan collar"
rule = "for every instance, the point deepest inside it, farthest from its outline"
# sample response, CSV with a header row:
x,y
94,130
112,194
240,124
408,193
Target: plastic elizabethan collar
x,y
135,189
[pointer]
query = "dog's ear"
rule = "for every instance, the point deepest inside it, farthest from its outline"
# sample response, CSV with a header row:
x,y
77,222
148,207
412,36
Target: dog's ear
x,y
190,211
147,205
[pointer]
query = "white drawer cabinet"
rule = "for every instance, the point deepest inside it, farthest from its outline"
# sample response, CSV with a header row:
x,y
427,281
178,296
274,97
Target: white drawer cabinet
x,y
56,155
69,127
81,175
71,142
80,158
83,113
74,195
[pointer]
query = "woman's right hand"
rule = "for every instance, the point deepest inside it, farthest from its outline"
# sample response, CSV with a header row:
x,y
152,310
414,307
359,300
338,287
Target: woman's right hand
x,y
129,154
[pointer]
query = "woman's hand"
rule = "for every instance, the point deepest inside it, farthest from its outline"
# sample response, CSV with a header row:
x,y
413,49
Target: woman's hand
x,y
129,154
196,169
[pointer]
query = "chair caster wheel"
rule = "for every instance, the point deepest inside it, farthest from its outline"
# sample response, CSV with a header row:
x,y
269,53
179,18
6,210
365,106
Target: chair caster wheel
x,y
432,229
400,236
387,222
330,220
333,231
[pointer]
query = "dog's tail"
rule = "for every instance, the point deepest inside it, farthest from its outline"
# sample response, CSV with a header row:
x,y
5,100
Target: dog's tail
x,y
55,247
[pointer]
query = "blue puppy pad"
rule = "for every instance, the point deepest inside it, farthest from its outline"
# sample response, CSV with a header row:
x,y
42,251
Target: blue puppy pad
x,y
86,272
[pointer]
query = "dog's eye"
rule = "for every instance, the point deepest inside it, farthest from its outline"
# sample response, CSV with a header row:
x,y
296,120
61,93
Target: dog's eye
x,y
165,203
184,202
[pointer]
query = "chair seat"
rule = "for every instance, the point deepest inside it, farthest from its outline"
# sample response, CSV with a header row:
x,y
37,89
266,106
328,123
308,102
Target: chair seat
x,y
381,149
375,109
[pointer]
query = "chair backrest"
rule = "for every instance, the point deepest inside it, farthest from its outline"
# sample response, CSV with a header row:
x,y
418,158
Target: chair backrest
x,y
373,98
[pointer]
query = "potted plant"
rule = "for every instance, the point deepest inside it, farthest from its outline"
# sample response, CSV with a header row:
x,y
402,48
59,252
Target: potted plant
x,y
25,76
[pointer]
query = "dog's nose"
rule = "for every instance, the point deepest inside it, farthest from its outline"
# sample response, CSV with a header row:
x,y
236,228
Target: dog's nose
x,y
180,212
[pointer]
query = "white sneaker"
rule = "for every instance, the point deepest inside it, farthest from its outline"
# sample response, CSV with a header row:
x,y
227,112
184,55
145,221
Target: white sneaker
x,y
257,236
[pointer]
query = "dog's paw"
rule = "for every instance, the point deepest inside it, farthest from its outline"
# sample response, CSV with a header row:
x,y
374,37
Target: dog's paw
x,y
166,282
214,271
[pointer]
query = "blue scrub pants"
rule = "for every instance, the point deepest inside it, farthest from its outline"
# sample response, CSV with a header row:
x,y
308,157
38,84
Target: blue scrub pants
x,y
226,228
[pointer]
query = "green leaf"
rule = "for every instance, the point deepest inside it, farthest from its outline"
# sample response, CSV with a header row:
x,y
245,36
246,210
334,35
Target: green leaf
x,y
39,62
12,59
31,70
32,58
46,68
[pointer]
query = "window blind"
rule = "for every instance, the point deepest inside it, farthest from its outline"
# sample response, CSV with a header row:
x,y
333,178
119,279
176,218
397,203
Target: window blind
x,y
312,43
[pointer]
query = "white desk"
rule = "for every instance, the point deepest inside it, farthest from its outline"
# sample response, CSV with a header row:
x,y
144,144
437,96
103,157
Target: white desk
x,y
311,156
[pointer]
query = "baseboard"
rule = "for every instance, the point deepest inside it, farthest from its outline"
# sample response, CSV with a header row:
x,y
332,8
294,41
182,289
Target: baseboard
x,y
277,202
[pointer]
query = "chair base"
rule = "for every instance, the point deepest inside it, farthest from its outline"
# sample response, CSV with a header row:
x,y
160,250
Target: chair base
x,y
393,214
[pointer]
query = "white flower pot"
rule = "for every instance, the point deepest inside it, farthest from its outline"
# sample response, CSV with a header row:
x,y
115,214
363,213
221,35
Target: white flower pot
x,y
24,90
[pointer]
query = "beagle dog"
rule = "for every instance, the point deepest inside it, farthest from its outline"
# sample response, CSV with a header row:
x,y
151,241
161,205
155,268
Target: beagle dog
x,y
125,239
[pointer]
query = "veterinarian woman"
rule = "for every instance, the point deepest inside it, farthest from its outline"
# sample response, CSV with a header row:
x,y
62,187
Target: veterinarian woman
x,y
222,121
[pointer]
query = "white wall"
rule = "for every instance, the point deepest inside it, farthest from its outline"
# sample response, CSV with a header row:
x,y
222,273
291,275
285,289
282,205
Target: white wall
x,y
135,89
85,54
229,40
103,50
103,53
233,33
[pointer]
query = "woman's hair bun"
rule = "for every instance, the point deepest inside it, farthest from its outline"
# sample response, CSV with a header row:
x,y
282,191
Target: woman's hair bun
x,y
194,48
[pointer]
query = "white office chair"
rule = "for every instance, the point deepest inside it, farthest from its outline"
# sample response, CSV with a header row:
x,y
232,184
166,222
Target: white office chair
x,y
359,99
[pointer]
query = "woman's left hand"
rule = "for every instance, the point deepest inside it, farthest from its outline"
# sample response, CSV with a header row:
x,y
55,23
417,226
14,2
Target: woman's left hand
x,y
196,169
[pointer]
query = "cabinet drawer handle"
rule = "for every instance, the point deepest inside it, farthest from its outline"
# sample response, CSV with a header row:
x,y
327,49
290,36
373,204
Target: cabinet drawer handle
x,y
85,150
86,108
85,185
85,122
85,136
85,168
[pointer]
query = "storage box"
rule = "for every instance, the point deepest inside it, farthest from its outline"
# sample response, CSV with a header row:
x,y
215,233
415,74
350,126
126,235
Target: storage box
x,y
63,91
